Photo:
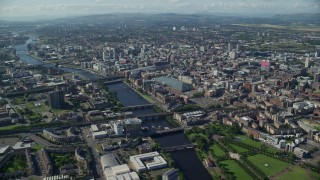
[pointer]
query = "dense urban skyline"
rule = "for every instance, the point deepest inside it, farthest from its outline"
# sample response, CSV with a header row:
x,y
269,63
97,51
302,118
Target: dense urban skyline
x,y
44,9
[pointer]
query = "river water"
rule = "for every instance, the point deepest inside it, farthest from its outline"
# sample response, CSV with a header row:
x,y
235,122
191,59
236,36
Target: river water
x,y
22,53
187,160
128,97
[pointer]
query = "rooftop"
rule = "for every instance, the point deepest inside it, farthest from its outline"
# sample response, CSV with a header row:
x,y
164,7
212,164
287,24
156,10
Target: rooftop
x,y
174,83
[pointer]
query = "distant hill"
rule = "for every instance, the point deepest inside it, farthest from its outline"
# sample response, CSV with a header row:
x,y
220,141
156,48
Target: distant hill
x,y
300,17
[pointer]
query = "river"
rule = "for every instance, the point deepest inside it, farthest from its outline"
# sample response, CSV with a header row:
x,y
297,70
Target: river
x,y
22,53
187,160
128,97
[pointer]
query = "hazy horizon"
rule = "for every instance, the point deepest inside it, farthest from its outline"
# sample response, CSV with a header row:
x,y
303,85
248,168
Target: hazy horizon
x,y
39,9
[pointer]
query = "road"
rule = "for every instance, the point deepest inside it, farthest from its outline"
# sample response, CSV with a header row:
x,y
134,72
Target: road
x,y
39,140
98,171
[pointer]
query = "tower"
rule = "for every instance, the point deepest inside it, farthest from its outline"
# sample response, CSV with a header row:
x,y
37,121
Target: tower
x,y
307,62
56,99
104,55
229,47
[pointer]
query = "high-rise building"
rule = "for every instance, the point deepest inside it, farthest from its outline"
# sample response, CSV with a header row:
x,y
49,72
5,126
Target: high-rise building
x,y
237,49
307,62
56,99
233,55
265,65
118,128
104,55
229,47
174,28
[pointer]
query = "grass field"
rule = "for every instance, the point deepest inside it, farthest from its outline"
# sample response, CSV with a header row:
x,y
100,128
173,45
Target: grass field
x,y
247,140
59,160
274,166
234,168
10,127
257,144
37,147
44,108
217,151
239,149
299,173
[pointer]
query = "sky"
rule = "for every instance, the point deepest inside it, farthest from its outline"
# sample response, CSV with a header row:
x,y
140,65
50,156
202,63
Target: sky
x,y
60,8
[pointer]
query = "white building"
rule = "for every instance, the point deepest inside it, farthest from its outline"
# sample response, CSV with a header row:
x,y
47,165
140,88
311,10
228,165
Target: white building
x,y
113,171
118,128
94,128
307,62
157,163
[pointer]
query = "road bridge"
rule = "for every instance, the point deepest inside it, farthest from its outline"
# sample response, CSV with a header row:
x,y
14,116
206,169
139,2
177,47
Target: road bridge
x,y
178,148
143,106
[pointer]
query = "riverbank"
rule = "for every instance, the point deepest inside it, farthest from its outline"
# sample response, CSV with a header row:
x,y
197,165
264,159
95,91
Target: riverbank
x,y
145,96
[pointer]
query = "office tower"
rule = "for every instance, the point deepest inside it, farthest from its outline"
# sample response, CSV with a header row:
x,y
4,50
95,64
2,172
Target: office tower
x,y
56,99
237,49
229,47
104,55
307,62
174,28
233,55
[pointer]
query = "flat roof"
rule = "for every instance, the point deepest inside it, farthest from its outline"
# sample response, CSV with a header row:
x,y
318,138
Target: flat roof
x,y
3,149
121,169
94,128
108,160
21,145
158,162
99,133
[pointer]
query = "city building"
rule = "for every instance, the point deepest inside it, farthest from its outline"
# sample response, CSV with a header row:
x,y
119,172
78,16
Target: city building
x,y
132,126
172,174
154,161
174,83
118,128
56,99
